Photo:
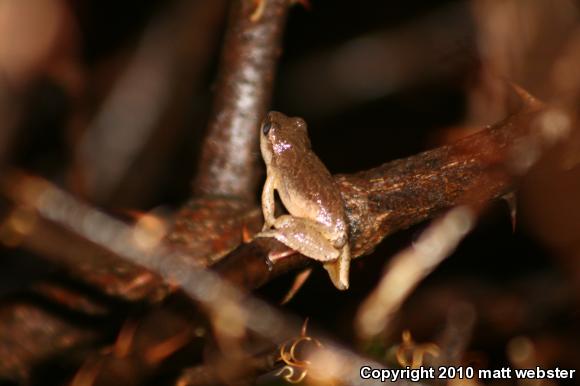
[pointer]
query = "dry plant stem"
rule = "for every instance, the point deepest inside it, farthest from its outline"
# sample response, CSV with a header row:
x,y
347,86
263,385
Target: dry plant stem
x,y
379,202
199,235
228,163
409,267
207,228
94,264
226,305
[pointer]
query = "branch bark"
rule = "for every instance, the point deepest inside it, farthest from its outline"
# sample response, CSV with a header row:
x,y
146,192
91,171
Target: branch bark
x,y
379,202
402,193
228,165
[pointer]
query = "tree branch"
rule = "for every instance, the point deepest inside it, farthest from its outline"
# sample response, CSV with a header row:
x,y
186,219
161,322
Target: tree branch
x,y
228,163
402,193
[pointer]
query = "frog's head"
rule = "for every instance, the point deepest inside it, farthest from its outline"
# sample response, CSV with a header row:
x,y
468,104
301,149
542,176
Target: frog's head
x,y
280,134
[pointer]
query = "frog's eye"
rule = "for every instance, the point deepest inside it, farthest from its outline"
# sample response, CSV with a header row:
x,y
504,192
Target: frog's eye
x,y
266,127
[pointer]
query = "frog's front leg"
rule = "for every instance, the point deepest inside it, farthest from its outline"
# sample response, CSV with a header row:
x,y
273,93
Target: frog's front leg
x,y
304,236
268,203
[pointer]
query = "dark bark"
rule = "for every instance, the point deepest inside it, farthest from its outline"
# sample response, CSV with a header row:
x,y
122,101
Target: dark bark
x,y
228,164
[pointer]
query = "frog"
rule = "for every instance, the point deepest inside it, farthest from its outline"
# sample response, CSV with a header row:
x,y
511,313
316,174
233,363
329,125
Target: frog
x,y
315,225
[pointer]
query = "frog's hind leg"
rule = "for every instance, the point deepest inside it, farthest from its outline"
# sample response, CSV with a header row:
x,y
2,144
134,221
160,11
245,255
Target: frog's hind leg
x,y
304,236
338,270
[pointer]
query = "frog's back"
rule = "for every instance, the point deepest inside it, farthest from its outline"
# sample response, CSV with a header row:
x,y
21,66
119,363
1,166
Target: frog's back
x,y
310,191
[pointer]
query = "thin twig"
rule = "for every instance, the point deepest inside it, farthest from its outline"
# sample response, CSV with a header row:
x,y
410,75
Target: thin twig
x,y
408,268
226,304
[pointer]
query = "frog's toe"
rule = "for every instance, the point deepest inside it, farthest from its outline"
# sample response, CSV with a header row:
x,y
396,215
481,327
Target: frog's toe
x,y
338,272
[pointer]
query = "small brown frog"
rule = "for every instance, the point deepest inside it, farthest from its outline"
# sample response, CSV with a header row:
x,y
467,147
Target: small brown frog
x,y
316,225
